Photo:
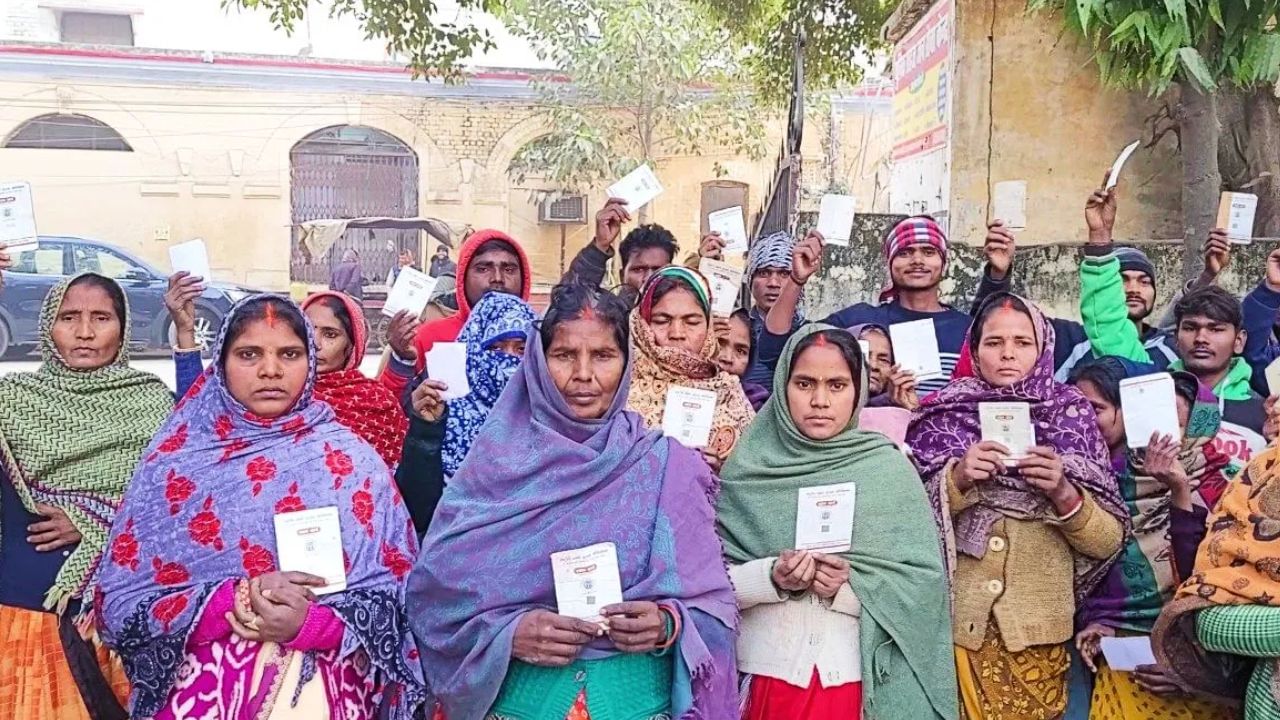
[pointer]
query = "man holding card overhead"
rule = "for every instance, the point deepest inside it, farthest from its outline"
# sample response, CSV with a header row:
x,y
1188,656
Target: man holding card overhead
x,y
915,254
1031,535
834,553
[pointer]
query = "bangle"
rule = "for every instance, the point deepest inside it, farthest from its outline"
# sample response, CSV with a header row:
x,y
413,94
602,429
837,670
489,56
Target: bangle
x,y
1074,510
799,283
671,627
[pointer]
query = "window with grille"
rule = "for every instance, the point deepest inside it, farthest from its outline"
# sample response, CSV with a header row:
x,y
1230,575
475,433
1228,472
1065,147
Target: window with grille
x,y
90,28
66,132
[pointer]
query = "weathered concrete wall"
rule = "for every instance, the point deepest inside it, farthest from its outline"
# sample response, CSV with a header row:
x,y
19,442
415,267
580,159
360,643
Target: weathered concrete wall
x,y
1029,106
1047,274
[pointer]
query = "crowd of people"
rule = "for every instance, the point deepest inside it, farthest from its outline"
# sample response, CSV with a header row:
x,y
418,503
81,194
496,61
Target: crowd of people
x,y
144,573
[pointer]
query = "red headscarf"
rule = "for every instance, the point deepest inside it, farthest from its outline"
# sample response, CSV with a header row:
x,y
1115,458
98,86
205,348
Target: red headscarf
x,y
363,405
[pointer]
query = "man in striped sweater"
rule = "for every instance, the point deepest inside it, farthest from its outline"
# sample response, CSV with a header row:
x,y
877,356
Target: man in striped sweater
x,y
915,252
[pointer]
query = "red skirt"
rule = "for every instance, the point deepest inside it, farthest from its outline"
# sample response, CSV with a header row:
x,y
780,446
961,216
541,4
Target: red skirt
x,y
772,699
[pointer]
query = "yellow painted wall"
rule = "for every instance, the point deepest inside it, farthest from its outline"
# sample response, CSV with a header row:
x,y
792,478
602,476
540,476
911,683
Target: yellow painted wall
x,y
213,162
1055,126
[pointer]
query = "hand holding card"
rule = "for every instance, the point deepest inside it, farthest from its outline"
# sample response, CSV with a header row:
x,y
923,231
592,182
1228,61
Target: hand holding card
x,y
447,363
637,189
17,218
1150,406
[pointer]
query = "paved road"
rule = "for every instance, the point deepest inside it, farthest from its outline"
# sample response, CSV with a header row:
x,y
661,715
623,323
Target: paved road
x,y
161,367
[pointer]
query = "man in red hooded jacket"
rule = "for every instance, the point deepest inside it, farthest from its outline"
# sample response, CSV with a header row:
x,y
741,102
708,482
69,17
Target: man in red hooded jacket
x,y
489,261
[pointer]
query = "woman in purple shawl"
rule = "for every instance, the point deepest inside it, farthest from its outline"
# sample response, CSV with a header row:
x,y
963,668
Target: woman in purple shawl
x,y
193,594
561,466
1028,535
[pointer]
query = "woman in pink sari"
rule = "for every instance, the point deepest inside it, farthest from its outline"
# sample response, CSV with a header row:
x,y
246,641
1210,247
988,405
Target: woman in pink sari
x,y
193,592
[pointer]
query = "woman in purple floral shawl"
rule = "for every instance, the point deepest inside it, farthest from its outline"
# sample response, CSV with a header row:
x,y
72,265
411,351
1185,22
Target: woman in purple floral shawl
x,y
1028,535
191,592
560,466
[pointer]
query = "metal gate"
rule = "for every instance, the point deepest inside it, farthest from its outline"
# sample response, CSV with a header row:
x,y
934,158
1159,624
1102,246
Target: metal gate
x,y
350,171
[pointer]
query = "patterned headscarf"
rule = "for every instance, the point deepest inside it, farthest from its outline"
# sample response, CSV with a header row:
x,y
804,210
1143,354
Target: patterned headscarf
x,y
543,481
1139,585
361,404
947,425
71,439
1238,564
199,513
697,284
918,230
770,251
657,368
497,317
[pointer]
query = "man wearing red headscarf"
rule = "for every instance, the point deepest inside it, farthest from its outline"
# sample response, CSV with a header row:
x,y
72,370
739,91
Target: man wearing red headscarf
x,y
489,261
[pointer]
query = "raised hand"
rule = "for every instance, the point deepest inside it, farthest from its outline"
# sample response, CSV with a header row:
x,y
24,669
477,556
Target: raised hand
x,y
999,248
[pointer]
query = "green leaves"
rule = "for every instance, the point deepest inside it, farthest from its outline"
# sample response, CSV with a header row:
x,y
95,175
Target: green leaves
x,y
432,45
841,38
646,78
1150,44
1197,69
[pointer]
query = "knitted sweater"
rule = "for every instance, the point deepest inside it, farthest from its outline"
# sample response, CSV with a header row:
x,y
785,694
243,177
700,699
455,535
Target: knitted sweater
x,y
1251,631
786,637
1026,577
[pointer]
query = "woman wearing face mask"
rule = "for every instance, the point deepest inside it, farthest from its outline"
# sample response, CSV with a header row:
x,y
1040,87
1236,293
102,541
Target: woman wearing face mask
x,y
824,634
674,346
495,338
562,466
192,593
363,405
1029,537
70,436
1168,488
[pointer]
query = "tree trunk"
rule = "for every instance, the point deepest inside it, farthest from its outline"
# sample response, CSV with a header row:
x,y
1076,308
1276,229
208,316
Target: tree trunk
x,y
1201,179
1263,112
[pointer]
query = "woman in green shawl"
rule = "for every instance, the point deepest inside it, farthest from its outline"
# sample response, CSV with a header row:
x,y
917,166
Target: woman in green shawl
x,y
71,434
857,626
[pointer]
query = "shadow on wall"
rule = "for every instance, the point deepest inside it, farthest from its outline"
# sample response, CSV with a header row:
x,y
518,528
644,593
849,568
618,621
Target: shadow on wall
x,y
1047,274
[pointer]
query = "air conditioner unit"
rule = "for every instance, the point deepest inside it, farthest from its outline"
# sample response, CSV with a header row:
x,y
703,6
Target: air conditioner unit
x,y
563,210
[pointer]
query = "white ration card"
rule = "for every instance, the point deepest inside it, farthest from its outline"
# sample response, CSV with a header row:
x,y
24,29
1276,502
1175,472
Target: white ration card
x,y
915,346
824,518
310,541
1150,405
688,414
447,362
1008,424
587,580
411,292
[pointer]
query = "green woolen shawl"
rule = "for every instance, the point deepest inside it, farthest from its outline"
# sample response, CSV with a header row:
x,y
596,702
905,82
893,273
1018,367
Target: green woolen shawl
x,y
896,568
72,439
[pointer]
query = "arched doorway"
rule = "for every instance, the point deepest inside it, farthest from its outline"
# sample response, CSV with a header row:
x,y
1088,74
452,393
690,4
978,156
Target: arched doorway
x,y
350,171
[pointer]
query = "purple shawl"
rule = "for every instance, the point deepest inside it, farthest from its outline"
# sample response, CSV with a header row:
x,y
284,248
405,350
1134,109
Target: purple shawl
x,y
947,425
573,483
199,512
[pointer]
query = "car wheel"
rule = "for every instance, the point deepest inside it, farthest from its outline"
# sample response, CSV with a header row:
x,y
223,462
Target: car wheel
x,y
6,340
378,333
208,323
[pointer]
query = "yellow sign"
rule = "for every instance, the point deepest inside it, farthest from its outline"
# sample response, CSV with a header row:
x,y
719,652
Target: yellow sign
x,y
922,79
